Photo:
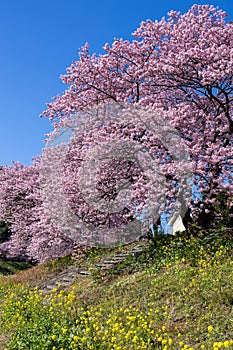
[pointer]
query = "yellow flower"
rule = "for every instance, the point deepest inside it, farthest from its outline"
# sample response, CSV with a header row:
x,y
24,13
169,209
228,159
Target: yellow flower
x,y
75,338
54,337
217,344
210,329
226,344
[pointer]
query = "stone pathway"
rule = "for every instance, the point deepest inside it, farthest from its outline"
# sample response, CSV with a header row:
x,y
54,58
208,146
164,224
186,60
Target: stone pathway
x,y
66,278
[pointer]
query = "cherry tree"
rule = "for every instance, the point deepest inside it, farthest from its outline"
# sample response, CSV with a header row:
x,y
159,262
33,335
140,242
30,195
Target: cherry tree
x,y
33,235
180,66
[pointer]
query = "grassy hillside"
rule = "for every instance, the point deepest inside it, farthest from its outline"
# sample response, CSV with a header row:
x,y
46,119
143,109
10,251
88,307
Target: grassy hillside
x,y
178,294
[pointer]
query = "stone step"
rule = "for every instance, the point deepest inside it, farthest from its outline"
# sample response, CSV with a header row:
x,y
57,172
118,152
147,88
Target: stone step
x,y
71,268
87,273
138,248
68,279
137,251
63,284
75,269
104,265
121,256
45,292
50,287
113,262
75,275
50,281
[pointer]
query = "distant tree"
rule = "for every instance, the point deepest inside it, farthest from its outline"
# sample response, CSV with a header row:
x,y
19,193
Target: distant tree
x,y
181,67
33,235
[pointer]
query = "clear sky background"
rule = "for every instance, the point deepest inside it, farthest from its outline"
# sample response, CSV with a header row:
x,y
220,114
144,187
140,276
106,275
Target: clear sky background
x,y
39,39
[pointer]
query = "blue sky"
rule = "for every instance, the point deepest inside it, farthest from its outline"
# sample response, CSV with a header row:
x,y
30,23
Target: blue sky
x,y
39,39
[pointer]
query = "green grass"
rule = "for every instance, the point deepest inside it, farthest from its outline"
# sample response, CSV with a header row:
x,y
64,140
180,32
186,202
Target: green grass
x,y
177,295
12,267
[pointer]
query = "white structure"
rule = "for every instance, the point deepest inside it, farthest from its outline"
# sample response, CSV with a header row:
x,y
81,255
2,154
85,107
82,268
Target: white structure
x,y
176,223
